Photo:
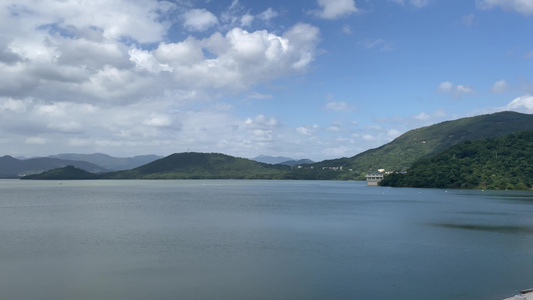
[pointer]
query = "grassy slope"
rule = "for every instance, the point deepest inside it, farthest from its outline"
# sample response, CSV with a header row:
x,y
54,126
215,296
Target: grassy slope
x,y
431,140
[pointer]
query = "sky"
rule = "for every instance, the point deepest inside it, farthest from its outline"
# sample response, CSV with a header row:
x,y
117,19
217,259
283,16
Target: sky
x,y
317,79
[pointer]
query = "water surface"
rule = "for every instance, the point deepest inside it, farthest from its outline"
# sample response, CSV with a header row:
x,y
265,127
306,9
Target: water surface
x,y
238,239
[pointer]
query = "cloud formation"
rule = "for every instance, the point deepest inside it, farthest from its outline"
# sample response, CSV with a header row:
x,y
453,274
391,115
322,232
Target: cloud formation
x,y
131,77
238,59
415,3
521,104
139,20
199,20
339,106
524,7
468,20
499,86
335,9
457,91
75,78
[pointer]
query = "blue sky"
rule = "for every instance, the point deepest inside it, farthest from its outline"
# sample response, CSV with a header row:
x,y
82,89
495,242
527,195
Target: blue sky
x,y
314,79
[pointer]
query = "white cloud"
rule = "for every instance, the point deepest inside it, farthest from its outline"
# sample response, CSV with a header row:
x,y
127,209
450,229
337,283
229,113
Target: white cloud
x,y
415,3
260,121
347,29
521,104
418,3
499,86
268,14
307,130
144,60
338,151
259,96
79,80
241,59
246,20
13,105
303,130
423,116
457,91
199,20
339,106
60,126
445,87
35,141
393,133
335,9
464,90
468,20
369,137
158,120
380,44
90,67
524,7
134,19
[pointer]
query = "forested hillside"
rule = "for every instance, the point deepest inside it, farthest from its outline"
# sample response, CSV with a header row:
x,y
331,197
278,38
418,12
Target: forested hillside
x,y
494,163
65,173
428,141
202,166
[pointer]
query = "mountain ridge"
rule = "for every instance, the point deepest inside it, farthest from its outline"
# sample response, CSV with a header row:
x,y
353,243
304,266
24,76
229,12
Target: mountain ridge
x,y
398,154
267,159
494,163
430,140
11,167
194,165
110,162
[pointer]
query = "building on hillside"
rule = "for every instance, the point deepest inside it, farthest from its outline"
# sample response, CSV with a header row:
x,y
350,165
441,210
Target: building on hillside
x,y
373,179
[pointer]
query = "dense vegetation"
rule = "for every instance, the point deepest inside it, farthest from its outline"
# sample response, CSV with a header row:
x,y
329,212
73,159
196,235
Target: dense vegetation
x,y
427,141
203,166
65,173
494,163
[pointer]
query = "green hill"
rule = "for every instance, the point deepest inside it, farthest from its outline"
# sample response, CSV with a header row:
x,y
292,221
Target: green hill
x,y
494,163
202,166
425,142
65,173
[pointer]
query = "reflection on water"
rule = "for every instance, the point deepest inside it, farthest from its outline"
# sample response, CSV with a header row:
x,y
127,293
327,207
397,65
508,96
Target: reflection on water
x,y
242,239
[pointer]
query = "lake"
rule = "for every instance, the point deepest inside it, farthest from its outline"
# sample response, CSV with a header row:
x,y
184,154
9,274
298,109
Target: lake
x,y
239,239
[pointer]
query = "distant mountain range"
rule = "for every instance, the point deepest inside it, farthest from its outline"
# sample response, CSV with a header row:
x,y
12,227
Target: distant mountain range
x,y
110,162
399,154
11,167
293,163
271,159
282,160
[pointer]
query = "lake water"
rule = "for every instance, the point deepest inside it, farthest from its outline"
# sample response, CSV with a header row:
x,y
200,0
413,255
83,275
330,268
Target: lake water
x,y
260,240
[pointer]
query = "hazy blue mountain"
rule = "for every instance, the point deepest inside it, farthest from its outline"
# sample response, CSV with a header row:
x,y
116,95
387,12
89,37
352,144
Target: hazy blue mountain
x,y
11,167
293,163
271,159
110,162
